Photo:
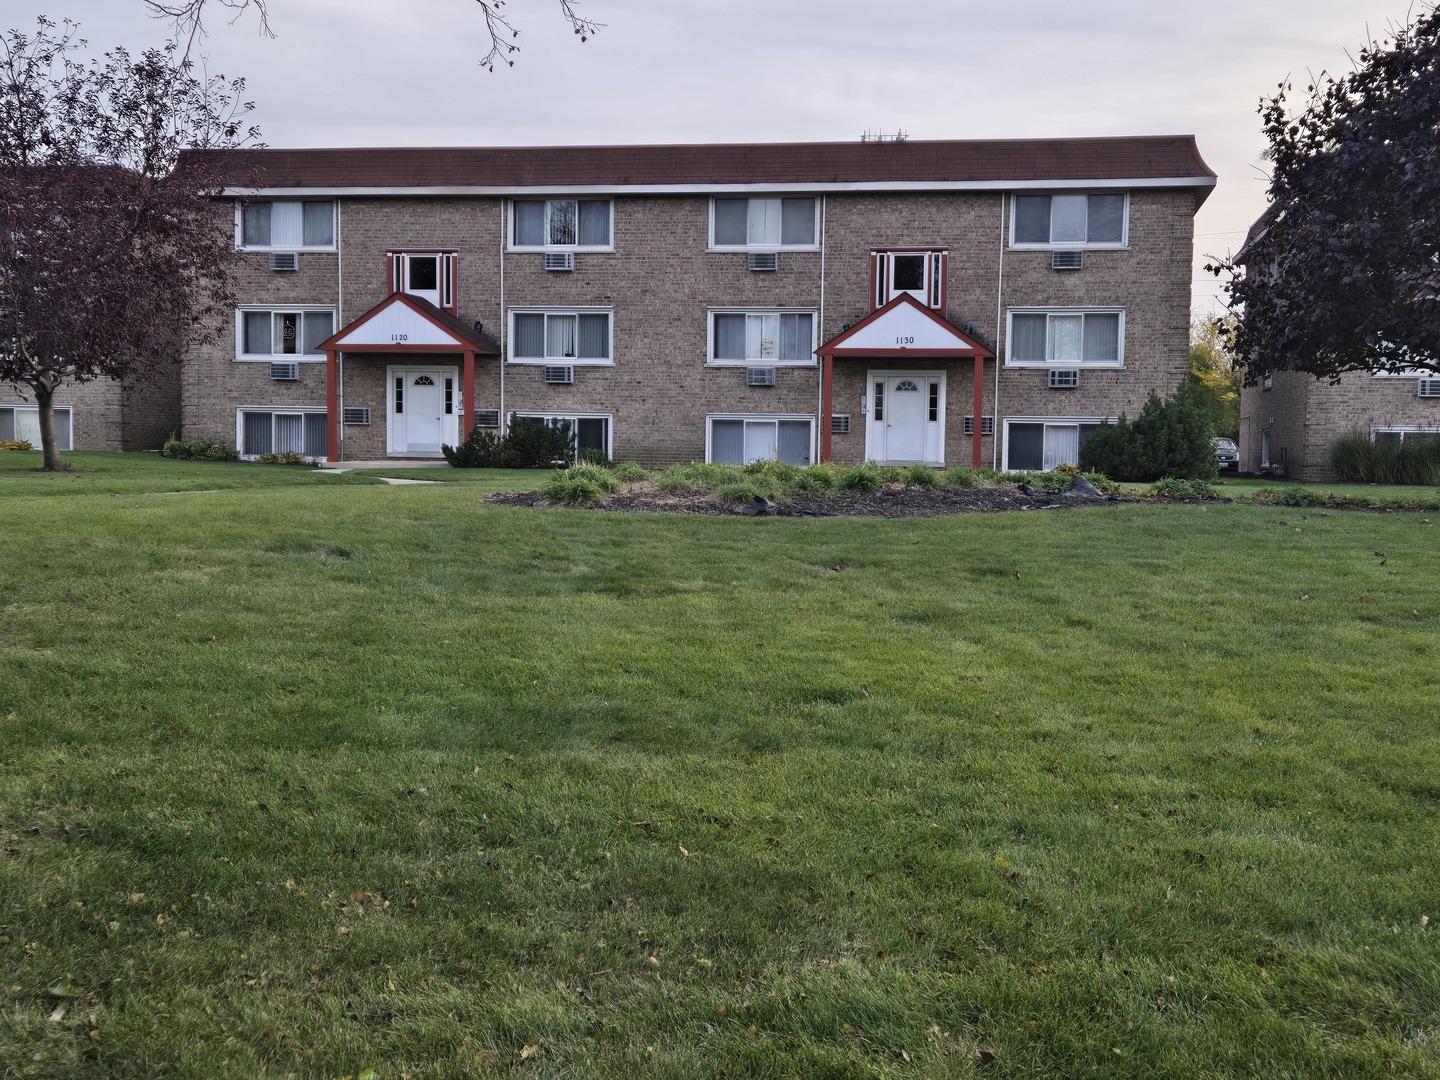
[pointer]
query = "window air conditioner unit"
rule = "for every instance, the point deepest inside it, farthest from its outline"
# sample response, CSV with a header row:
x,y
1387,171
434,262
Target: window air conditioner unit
x,y
1067,260
357,417
487,418
560,376
285,372
1428,388
559,260
840,424
1064,380
284,260
763,260
987,425
760,376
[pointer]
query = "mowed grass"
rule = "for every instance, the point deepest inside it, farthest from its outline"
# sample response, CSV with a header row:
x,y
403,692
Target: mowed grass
x,y
308,780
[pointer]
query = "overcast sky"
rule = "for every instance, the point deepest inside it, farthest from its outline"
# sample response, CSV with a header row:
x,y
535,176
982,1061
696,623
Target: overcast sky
x,y
405,73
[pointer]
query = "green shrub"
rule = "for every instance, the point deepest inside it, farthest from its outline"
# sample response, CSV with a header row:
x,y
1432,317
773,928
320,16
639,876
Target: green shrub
x,y
580,485
588,455
529,444
1060,479
919,476
1294,495
859,478
284,457
197,450
698,476
817,478
1358,458
741,491
959,477
1102,483
1171,438
1170,487
627,472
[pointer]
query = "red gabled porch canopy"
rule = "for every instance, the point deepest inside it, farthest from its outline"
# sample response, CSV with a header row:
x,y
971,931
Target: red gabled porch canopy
x,y
904,329
402,323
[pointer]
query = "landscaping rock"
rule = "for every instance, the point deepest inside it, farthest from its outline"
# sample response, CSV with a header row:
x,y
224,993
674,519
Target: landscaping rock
x,y
1083,489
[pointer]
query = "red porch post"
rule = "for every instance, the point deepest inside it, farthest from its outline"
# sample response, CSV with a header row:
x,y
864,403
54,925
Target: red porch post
x,y
979,408
827,390
332,408
469,384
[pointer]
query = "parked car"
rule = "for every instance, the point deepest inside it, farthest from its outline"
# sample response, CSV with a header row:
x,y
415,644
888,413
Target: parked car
x,y
1227,454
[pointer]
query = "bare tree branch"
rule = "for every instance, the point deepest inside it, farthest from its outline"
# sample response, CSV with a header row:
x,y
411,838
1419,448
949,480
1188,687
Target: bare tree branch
x,y
189,24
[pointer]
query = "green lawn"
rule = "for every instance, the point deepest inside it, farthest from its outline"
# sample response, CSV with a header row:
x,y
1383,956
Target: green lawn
x,y
312,775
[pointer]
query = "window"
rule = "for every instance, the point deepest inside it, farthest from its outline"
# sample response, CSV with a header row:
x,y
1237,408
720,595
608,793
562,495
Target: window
x,y
739,440
263,334
1066,337
920,273
287,226
577,337
1069,221
281,431
786,337
21,423
561,223
429,275
1043,444
1382,436
586,432
768,224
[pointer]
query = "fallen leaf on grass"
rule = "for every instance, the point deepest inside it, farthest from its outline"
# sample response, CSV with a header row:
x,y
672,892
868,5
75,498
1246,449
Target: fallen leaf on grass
x,y
63,989
683,851
529,1051
59,1013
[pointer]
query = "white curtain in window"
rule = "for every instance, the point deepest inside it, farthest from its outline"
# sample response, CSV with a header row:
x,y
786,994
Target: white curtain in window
x,y
764,222
1065,337
559,336
1062,445
762,337
1067,219
287,225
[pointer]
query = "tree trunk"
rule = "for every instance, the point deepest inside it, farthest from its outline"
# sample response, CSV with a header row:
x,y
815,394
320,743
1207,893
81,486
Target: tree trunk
x,y
45,400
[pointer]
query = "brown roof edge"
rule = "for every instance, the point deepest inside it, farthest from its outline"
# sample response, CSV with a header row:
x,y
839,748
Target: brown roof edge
x,y
1089,159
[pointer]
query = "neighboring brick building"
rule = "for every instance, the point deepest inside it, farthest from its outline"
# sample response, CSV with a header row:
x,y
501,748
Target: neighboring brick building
x,y
101,415
682,303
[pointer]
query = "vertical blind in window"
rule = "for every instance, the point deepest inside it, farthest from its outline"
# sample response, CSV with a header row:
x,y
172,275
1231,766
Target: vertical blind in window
x,y
739,442
1069,219
763,336
765,222
289,224
264,432
1079,337
562,223
541,335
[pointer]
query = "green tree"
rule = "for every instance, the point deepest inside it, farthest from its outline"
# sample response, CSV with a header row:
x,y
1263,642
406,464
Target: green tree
x,y
1169,438
1214,374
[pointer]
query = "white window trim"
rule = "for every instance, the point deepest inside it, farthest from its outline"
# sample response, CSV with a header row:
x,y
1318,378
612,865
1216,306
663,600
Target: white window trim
x,y
56,409
284,410
277,358
1117,364
711,417
921,375
1072,245
710,233
1408,373
556,361
1058,420
240,244
1403,430
710,314
538,414
511,245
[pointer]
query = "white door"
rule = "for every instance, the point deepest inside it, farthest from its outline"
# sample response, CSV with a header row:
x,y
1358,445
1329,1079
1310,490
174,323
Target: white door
x,y
899,418
423,410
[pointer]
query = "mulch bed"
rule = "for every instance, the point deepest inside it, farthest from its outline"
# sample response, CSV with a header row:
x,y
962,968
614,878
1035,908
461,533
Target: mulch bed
x,y
889,502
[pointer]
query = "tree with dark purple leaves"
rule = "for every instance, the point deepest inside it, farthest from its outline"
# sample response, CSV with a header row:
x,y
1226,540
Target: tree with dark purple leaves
x,y
113,249
1343,271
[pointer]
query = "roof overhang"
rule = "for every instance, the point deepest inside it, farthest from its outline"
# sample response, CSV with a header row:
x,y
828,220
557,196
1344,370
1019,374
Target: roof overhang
x,y
406,324
904,329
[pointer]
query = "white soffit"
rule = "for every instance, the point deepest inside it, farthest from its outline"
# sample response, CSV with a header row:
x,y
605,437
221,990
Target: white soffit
x,y
904,327
398,324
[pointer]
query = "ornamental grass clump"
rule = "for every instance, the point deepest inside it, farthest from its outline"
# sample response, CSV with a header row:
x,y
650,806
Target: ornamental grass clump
x,y
961,476
920,476
859,478
1358,458
580,485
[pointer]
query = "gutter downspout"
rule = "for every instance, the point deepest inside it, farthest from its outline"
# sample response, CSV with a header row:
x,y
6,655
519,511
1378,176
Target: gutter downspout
x,y
996,429
500,330
824,420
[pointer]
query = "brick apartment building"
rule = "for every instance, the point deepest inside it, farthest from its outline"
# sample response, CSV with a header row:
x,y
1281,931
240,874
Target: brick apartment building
x,y
807,302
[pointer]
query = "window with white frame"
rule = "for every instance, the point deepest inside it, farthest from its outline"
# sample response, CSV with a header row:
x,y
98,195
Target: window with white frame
x,y
561,224
1047,221
426,274
1066,337
741,440
265,333
1041,445
764,224
21,423
280,431
762,337
568,337
290,225
587,431
1393,436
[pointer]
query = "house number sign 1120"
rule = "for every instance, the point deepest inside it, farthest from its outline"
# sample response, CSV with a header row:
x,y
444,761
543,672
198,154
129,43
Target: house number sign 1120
x,y
399,337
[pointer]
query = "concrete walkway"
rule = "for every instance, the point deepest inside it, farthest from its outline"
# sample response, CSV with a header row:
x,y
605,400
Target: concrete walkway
x,y
401,463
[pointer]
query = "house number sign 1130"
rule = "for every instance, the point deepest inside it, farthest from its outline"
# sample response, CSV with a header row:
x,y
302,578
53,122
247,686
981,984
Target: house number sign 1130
x,y
905,341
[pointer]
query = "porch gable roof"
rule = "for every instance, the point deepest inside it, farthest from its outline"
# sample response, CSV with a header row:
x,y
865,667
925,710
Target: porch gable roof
x,y
903,328
405,323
